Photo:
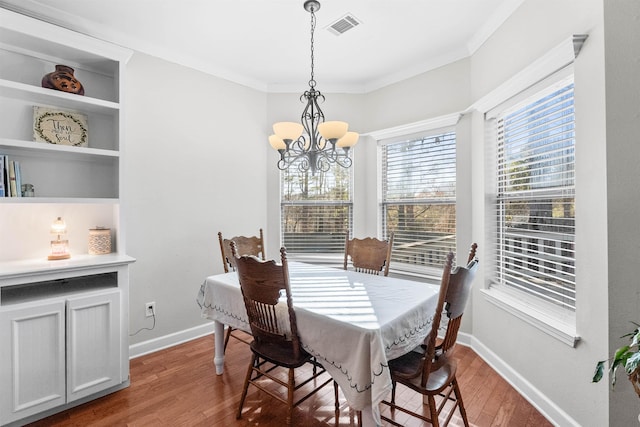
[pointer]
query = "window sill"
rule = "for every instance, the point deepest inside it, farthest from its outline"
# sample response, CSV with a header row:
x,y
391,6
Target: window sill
x,y
325,259
557,323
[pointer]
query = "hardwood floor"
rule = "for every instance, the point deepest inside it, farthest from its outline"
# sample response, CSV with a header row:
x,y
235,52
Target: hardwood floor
x,y
178,387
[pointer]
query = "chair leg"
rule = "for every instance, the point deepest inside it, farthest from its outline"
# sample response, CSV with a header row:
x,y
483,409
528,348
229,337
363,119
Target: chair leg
x,y
335,393
292,386
433,410
226,338
393,392
463,412
246,385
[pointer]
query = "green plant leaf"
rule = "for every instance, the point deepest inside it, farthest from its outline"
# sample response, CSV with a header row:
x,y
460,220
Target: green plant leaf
x,y
614,370
635,339
599,372
627,356
632,363
620,354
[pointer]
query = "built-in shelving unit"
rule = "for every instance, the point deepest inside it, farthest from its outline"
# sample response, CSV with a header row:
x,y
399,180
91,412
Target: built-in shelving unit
x,y
63,323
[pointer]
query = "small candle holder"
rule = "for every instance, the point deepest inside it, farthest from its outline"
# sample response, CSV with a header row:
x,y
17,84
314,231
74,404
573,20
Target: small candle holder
x,y
99,241
59,247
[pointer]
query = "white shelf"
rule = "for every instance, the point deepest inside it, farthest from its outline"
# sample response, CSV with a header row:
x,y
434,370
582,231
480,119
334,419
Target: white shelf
x,y
50,97
59,200
38,266
8,146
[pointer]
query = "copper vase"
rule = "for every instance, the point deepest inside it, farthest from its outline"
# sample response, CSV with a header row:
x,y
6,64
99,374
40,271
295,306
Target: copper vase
x,y
63,79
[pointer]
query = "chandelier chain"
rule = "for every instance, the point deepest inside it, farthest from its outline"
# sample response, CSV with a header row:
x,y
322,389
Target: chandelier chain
x,y
312,82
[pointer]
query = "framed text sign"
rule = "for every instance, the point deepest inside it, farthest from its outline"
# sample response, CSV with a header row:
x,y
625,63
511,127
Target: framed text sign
x,y
60,127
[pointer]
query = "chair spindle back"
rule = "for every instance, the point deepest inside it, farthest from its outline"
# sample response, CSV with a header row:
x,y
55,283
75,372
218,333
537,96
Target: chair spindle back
x,y
368,255
263,283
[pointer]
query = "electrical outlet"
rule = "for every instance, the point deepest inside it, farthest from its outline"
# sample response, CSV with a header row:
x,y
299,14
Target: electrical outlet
x,y
150,309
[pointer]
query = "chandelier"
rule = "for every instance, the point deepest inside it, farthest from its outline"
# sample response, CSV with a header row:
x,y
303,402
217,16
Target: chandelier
x,y
313,144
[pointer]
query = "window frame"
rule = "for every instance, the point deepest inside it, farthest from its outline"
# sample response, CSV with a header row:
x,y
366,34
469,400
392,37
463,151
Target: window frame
x,y
556,322
328,257
416,270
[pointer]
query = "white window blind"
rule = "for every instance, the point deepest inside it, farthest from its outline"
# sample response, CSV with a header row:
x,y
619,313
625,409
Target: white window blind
x,y
316,210
419,200
535,197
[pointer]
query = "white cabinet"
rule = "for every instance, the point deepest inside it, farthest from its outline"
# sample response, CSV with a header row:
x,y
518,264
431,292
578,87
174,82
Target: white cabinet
x,y
32,358
64,336
93,343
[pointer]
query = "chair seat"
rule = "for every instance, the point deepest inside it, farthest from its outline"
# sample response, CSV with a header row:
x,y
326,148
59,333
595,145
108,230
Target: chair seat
x,y
279,355
407,370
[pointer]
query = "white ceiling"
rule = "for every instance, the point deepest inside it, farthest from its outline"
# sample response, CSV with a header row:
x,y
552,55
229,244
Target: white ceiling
x,y
265,44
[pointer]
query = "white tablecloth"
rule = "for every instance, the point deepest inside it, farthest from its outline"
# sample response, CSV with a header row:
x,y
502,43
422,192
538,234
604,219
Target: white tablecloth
x,y
352,322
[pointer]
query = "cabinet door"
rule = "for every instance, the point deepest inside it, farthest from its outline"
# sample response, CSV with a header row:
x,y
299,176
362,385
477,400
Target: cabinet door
x,y
93,343
32,359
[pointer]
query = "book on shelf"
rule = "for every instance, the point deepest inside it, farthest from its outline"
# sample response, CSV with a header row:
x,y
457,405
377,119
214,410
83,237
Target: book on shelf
x,y
3,186
12,179
16,166
7,182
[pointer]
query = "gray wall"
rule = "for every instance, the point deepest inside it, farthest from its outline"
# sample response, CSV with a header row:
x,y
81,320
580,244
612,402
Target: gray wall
x,y
622,95
195,156
207,138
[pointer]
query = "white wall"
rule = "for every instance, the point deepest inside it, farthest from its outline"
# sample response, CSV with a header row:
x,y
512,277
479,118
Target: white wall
x,y
442,91
195,156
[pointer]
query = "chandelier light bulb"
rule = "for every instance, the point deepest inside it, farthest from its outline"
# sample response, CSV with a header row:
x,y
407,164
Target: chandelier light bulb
x,y
277,143
348,140
288,130
333,129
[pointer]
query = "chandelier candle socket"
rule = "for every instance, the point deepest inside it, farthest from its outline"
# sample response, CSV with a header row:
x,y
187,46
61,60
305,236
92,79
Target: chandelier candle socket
x,y
59,247
311,144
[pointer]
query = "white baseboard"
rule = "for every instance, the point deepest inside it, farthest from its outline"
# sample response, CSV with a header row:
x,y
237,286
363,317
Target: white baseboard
x,y
464,339
541,402
153,345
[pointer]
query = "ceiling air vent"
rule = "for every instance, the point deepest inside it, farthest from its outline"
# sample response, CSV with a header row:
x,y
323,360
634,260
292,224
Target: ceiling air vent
x,y
343,24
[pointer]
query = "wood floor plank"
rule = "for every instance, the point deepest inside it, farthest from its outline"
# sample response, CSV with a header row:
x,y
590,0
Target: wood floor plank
x,y
179,387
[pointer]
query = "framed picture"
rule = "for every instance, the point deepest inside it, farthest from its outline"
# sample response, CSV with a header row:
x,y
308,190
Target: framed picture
x,y
60,127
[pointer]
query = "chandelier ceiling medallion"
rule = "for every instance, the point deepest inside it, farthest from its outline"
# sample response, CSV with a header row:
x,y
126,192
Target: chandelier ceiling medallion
x,y
313,144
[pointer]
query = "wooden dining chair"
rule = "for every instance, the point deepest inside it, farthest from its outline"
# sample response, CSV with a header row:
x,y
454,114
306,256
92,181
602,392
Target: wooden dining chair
x,y
432,373
368,255
245,245
275,336
456,301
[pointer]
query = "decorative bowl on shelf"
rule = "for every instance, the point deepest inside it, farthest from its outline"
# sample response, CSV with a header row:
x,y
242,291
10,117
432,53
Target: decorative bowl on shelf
x,y
63,79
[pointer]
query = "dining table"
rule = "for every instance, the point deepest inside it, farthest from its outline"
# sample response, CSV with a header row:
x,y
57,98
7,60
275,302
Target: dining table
x,y
352,323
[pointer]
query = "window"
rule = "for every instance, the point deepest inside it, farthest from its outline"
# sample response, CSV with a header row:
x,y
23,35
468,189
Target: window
x,y
419,200
535,201
316,211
